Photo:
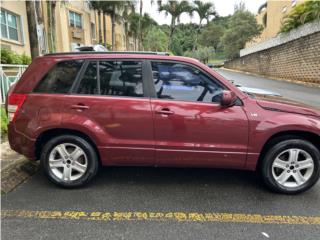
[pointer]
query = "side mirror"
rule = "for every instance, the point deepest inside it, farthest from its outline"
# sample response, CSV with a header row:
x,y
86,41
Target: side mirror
x,y
228,98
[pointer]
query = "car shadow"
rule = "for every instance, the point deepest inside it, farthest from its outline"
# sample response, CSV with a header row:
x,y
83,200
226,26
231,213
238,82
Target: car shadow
x,y
172,176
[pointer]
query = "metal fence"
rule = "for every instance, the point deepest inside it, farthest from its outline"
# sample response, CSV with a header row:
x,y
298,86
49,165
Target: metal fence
x,y
9,74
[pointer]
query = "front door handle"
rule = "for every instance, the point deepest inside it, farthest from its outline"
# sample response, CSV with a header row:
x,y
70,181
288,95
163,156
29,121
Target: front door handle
x,y
164,111
80,107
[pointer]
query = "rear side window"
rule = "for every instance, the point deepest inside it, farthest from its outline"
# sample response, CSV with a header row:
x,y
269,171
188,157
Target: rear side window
x,y
89,81
60,78
112,78
121,78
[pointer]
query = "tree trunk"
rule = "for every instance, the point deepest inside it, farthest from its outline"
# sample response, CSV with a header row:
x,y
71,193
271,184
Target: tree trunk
x,y
99,26
51,25
172,28
113,19
104,29
195,43
126,35
32,27
139,29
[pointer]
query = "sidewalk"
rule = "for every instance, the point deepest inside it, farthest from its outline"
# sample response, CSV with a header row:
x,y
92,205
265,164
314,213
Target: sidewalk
x,y
15,168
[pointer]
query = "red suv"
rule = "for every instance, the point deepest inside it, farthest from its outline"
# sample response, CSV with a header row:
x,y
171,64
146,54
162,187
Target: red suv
x,y
78,111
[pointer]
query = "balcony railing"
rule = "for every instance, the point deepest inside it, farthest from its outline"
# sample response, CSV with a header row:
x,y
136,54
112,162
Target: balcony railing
x,y
9,74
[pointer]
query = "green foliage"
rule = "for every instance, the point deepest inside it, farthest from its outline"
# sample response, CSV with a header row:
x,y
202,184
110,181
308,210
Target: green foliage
x,y
4,121
10,57
203,54
211,35
204,10
155,40
301,14
183,38
242,27
174,9
146,23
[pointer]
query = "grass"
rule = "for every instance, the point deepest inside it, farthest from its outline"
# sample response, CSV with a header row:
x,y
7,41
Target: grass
x,y
4,122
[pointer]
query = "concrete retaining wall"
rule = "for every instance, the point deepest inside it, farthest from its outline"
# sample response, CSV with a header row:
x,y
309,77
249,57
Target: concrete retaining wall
x,y
292,56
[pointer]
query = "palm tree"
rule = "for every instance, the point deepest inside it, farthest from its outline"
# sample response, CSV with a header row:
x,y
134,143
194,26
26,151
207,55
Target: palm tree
x,y
204,10
175,9
51,9
129,8
32,27
113,8
145,22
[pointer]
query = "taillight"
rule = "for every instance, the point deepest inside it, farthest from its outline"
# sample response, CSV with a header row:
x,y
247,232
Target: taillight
x,y
15,102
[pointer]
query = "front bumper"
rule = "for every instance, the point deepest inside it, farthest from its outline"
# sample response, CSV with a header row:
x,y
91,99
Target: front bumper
x,y
21,143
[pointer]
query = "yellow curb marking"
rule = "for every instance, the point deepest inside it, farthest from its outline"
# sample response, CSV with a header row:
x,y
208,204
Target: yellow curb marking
x,y
162,216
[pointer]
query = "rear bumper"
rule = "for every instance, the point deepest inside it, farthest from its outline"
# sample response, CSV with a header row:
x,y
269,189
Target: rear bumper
x,y
21,143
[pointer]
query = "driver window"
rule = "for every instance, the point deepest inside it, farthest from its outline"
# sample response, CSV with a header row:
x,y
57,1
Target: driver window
x,y
183,82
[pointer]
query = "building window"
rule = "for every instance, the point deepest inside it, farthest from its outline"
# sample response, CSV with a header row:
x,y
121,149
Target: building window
x,y
75,19
93,30
9,25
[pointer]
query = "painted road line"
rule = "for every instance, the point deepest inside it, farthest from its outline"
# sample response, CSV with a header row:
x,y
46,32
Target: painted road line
x,y
163,216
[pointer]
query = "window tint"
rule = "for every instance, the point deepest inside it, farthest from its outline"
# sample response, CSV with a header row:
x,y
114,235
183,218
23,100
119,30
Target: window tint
x,y
60,78
89,81
121,78
183,82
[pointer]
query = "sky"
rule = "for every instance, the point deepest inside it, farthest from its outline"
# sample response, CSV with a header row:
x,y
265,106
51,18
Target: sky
x,y
223,7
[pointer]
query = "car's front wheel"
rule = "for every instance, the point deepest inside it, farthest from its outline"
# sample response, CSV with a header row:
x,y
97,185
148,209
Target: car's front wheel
x,y
69,161
291,166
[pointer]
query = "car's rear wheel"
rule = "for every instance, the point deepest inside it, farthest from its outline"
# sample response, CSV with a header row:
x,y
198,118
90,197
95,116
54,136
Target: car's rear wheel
x,y
291,166
69,161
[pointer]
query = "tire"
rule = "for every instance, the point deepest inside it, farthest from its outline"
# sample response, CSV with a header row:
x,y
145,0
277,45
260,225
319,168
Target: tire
x,y
282,162
69,161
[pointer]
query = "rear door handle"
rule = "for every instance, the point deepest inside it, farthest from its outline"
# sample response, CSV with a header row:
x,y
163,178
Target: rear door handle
x,y
80,107
165,111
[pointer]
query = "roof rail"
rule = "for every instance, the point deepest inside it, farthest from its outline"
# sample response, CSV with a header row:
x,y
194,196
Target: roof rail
x,y
112,52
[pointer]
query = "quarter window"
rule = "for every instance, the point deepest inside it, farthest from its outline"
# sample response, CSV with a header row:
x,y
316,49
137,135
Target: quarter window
x,y
183,82
75,19
60,78
9,25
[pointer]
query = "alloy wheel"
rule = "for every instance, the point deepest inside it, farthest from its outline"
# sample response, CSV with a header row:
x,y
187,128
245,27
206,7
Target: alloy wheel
x,y
68,162
292,167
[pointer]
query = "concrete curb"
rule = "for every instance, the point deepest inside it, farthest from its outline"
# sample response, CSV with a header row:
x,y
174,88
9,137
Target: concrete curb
x,y
15,169
274,78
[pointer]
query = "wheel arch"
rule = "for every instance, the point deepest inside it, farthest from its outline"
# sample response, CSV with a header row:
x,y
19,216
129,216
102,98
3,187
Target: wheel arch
x,y
48,134
286,135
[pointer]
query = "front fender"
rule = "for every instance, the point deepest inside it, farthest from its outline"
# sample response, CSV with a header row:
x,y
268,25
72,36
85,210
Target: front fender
x,y
268,125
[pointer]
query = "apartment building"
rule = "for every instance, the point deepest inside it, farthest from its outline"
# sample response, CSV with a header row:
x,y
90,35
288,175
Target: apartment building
x,y
62,25
270,16
14,33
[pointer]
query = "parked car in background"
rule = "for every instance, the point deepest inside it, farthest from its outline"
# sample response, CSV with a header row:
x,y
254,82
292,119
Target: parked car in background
x,y
78,111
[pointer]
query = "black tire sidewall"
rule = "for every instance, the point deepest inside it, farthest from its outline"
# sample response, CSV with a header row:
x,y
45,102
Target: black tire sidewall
x,y
275,151
86,147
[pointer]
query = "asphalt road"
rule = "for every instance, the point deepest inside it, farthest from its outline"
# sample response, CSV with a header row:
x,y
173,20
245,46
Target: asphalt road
x,y
298,92
44,211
